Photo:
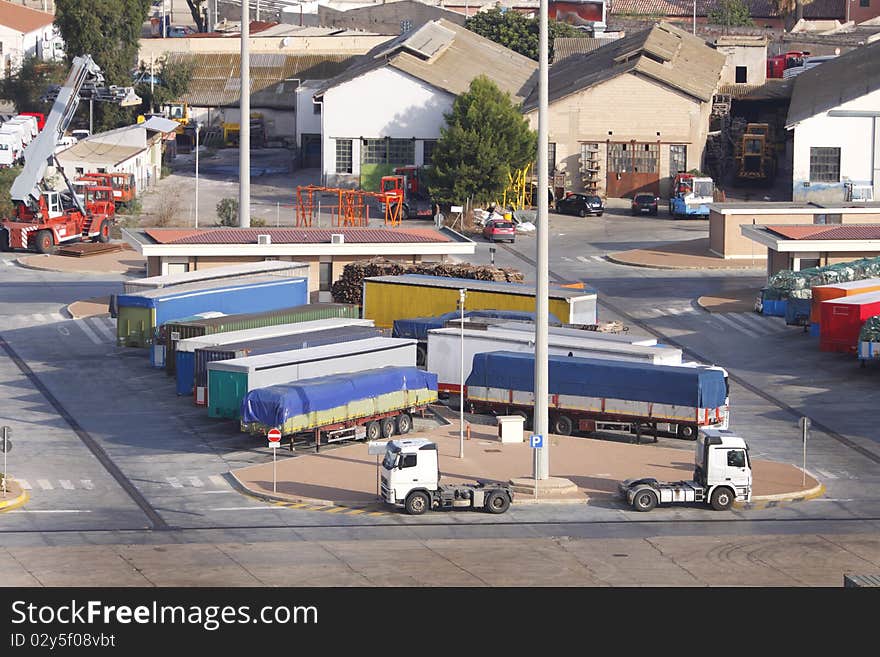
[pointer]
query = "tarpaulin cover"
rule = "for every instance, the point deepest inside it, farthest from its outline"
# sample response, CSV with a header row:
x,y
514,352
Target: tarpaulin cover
x,y
272,406
870,330
417,327
592,377
799,284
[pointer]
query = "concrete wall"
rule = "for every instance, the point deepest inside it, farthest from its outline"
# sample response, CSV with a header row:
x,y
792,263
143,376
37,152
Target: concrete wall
x,y
786,260
388,103
307,121
146,166
754,58
858,14
625,108
859,141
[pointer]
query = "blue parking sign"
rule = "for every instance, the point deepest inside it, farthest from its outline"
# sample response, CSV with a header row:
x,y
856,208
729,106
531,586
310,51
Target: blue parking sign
x,y
536,440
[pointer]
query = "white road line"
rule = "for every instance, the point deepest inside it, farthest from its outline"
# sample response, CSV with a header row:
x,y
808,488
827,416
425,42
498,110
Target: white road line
x,y
87,484
66,484
756,324
217,480
52,511
195,481
89,332
40,318
107,333
675,311
736,327
25,484
174,481
598,258
216,492
45,484
827,475
583,259
57,317
566,259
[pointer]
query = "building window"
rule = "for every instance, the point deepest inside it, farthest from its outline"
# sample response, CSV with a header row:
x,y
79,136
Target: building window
x,y
833,218
807,263
401,151
406,25
824,164
428,151
741,75
551,158
864,3
325,273
678,156
343,156
316,108
373,151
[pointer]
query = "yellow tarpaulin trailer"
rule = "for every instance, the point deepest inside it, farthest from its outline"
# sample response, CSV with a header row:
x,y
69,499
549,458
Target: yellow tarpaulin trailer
x,y
387,298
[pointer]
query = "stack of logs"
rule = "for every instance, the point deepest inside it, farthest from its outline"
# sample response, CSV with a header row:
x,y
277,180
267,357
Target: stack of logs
x,y
349,287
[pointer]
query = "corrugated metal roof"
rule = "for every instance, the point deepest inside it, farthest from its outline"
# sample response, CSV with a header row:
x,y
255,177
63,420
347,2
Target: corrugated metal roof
x,y
687,64
772,89
96,152
451,67
837,81
161,124
296,235
825,232
216,78
567,46
556,291
22,19
685,8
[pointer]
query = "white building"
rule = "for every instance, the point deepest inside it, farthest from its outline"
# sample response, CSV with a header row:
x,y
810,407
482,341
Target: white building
x,y
387,109
835,116
25,33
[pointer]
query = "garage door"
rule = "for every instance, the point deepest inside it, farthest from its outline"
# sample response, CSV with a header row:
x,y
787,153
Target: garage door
x,y
633,167
311,151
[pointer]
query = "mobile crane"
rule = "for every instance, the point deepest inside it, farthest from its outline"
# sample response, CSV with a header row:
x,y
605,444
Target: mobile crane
x,y
44,217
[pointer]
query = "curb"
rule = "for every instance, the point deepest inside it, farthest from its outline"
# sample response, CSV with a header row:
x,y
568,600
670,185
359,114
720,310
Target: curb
x,y
66,310
610,257
269,497
9,505
770,501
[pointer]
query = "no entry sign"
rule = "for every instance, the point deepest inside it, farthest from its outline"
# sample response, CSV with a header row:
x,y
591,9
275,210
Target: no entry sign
x,y
274,436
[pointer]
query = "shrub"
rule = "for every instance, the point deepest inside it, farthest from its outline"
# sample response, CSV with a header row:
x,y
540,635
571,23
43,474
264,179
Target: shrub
x,y
227,212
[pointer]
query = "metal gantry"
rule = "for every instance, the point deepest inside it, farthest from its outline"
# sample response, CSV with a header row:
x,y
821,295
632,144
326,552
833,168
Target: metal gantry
x,y
351,208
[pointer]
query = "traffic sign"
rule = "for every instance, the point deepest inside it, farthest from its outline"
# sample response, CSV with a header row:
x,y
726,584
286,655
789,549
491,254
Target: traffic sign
x,y
274,436
536,441
804,423
5,445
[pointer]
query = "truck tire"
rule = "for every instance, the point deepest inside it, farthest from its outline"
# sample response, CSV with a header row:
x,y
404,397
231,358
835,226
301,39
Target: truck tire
x,y
103,235
497,502
417,503
722,498
4,240
44,242
404,424
528,420
644,500
374,431
562,425
386,426
421,356
686,431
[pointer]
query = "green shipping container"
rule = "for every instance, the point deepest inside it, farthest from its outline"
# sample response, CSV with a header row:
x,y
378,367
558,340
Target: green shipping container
x,y
135,325
175,331
227,391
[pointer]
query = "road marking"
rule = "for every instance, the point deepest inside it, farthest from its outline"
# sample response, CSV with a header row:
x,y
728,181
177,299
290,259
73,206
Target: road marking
x,y
45,484
87,484
337,509
566,259
89,332
174,481
25,484
583,259
102,328
247,508
736,327
58,317
827,475
217,480
598,258
40,318
754,323
195,481
52,511
216,492
66,485
354,512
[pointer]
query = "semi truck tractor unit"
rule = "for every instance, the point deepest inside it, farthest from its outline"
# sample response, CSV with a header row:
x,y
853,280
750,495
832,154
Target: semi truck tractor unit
x,y
722,475
411,480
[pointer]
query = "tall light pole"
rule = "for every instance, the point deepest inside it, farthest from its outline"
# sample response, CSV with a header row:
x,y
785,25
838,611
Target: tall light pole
x,y
540,420
198,127
461,295
244,125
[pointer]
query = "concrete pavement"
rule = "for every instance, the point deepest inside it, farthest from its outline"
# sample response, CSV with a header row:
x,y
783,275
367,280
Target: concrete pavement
x,y
688,254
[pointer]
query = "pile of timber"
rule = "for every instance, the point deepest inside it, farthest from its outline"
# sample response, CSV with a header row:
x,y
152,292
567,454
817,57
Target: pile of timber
x,y
349,287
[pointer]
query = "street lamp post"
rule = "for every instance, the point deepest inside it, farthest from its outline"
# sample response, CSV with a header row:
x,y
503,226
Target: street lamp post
x,y
198,128
461,295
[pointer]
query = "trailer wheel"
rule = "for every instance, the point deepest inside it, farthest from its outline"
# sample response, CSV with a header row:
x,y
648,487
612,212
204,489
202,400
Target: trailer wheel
x,y
4,240
417,503
687,431
645,500
722,499
528,420
43,241
497,502
374,431
103,232
562,425
386,426
404,423
421,356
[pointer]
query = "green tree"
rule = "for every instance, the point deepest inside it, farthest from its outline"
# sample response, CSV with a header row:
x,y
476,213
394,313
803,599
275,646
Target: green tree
x,y
517,32
227,212
109,31
25,86
7,176
485,138
730,13
173,77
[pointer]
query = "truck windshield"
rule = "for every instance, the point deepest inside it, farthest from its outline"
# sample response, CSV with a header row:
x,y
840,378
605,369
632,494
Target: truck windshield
x,y
390,460
703,188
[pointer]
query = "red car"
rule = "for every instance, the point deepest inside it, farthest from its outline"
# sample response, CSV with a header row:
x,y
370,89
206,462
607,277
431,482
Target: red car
x,y
499,229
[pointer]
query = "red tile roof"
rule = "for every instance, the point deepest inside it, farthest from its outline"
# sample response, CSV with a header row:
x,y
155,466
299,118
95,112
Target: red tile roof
x,y
297,235
757,8
825,232
21,19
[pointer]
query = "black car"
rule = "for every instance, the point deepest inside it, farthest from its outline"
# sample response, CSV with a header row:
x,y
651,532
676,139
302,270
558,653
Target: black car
x,y
644,204
581,205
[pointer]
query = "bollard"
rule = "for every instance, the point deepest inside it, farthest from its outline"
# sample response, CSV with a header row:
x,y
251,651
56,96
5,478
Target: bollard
x,y
469,431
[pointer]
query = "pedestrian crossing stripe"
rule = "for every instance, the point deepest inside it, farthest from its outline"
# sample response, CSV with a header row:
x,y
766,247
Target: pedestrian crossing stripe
x,y
336,508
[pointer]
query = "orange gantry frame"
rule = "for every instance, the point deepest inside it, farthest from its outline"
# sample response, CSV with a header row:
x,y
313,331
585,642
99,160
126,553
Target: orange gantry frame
x,y
350,210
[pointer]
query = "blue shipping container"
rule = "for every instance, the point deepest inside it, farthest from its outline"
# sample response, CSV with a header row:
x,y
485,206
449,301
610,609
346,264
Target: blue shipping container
x,y
797,312
193,371
266,294
273,405
592,377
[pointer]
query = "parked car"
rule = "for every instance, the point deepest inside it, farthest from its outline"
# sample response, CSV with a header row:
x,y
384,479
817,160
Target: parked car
x,y
499,229
644,204
581,205
180,31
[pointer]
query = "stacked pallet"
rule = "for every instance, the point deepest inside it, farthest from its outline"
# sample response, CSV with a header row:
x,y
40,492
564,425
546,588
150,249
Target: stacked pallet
x,y
349,287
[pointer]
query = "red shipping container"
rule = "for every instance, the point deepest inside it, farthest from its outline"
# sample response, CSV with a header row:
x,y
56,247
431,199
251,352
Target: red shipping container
x,y
842,320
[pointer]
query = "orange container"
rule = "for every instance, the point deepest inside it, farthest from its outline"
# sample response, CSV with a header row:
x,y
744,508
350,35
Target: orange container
x,y
836,291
